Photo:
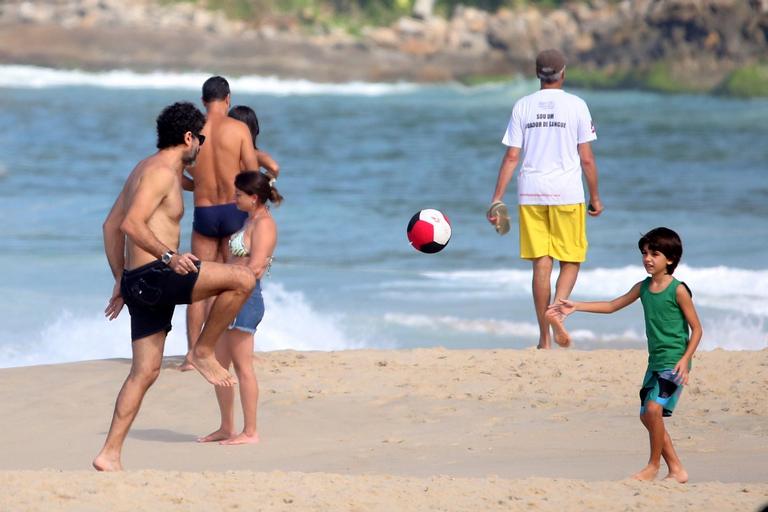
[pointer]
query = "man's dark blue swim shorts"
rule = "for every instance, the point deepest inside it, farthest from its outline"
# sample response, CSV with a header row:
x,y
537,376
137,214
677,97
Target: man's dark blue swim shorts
x,y
218,221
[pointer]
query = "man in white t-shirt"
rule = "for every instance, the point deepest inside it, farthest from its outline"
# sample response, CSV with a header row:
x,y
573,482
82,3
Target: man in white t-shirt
x,y
553,130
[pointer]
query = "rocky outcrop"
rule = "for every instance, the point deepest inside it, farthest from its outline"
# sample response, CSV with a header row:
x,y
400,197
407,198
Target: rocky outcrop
x,y
698,41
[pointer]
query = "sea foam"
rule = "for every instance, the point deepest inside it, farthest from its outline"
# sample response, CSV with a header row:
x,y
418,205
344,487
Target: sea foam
x,y
290,322
16,76
730,333
723,288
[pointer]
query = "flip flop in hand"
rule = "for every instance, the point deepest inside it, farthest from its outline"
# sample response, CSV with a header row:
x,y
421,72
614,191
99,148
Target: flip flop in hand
x,y
498,211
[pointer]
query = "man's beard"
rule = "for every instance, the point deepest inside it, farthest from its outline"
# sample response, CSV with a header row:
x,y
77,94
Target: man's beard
x,y
189,159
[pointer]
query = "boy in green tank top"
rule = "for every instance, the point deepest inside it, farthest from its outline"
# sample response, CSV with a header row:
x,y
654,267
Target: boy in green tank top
x,y
673,331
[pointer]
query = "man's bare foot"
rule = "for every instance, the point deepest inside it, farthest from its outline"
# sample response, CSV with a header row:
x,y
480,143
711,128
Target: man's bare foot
x,y
104,463
210,368
242,438
680,476
218,435
648,473
555,319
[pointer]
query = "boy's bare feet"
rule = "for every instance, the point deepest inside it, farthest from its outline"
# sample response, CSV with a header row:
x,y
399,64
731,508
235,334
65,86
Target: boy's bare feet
x,y
218,435
679,475
210,368
102,462
555,319
648,473
242,438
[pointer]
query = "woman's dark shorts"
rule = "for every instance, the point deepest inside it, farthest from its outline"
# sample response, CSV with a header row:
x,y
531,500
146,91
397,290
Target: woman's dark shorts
x,y
151,293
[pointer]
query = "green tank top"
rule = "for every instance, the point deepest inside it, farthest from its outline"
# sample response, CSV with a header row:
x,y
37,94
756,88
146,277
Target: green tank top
x,y
665,325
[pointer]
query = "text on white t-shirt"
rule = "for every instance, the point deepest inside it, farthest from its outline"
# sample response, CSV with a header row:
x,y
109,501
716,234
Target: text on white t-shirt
x,y
548,125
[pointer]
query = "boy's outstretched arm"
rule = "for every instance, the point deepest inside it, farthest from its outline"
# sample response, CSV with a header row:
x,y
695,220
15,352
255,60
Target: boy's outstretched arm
x,y
566,307
685,302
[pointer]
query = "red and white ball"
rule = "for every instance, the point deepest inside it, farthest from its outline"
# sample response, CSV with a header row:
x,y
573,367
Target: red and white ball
x,y
429,231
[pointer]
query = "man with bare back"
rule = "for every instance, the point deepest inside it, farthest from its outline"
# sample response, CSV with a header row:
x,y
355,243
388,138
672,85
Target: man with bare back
x,y
229,149
141,236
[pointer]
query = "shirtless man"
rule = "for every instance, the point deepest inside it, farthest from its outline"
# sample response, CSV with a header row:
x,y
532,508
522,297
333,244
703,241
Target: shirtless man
x,y
141,234
229,148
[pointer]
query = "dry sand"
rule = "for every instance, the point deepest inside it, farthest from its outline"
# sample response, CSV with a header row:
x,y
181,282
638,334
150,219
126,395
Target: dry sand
x,y
392,430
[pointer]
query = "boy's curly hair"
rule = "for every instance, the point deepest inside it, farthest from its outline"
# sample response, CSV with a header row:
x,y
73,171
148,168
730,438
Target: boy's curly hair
x,y
667,242
176,120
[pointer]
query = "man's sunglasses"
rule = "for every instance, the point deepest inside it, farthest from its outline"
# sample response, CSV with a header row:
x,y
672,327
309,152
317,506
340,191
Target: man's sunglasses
x,y
200,137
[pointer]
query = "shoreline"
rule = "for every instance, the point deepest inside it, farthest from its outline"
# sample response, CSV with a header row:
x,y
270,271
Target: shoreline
x,y
641,45
132,48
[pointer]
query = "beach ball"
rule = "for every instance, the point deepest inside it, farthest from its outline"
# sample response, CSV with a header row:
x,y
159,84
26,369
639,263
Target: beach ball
x,y
429,231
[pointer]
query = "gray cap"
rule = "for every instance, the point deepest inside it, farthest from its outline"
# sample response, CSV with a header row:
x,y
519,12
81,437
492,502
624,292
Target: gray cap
x,y
549,63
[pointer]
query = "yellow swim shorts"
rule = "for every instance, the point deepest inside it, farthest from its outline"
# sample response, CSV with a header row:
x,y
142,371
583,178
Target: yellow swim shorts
x,y
559,231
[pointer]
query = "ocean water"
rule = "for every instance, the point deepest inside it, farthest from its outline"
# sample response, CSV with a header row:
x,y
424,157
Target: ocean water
x,y
358,160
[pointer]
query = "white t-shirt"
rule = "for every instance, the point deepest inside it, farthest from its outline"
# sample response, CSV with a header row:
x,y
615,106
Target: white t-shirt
x,y
548,125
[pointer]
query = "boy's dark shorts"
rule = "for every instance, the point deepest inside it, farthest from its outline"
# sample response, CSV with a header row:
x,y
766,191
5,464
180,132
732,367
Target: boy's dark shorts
x,y
660,387
151,293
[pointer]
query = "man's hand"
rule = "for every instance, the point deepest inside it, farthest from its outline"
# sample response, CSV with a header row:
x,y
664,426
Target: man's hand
x,y
115,304
595,207
498,215
492,214
183,264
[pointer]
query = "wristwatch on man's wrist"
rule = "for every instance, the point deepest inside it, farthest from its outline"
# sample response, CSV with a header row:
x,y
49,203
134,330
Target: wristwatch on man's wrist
x,y
166,257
